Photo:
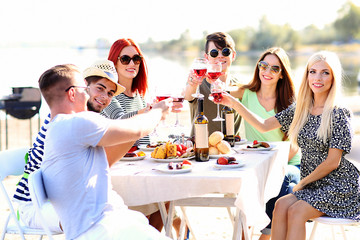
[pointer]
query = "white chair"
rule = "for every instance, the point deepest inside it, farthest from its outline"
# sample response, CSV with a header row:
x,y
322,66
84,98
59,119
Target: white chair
x,y
39,197
341,222
354,157
12,163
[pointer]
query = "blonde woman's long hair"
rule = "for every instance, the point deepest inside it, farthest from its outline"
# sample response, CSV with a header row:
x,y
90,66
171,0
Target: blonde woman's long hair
x,y
305,98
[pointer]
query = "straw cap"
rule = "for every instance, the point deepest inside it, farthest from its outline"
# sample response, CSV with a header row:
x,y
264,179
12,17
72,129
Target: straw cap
x,y
106,69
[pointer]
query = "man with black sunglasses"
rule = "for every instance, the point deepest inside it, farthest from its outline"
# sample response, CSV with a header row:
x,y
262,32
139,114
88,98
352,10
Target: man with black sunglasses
x,y
219,47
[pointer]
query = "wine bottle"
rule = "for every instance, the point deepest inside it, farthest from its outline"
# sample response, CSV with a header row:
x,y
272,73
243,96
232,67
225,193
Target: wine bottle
x,y
228,125
201,134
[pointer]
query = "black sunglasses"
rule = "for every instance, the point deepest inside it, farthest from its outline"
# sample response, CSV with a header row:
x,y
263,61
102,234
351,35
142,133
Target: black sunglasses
x,y
263,66
125,59
85,88
225,52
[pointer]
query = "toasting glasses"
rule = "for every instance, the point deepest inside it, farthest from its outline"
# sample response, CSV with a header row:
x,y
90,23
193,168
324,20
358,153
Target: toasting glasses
x,y
178,96
217,86
199,68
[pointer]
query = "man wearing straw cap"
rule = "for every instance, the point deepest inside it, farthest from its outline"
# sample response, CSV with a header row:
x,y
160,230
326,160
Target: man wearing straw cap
x,y
102,84
75,166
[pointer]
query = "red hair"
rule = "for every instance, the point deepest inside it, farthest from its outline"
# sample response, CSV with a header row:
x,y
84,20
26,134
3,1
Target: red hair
x,y
140,81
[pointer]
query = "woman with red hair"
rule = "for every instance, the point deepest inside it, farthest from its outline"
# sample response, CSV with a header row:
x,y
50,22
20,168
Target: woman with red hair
x,y
132,74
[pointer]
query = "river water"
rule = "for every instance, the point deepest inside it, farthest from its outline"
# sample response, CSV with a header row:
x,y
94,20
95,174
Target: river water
x,y
21,67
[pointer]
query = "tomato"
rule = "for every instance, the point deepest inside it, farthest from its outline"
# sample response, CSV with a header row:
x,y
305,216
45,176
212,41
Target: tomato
x,y
178,153
178,147
186,162
183,147
222,161
255,142
183,151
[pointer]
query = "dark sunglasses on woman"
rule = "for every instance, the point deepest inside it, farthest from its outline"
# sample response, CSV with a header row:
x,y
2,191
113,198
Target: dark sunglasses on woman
x,y
125,59
263,66
225,52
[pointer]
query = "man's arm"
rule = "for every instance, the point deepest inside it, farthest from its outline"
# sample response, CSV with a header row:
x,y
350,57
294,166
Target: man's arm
x,y
128,130
116,152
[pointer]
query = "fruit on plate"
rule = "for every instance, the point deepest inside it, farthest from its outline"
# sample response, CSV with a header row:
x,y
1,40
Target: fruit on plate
x,y
226,161
222,161
257,144
171,150
186,164
183,165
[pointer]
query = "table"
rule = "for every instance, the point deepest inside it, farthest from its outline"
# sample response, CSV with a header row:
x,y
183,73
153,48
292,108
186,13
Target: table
x,y
260,179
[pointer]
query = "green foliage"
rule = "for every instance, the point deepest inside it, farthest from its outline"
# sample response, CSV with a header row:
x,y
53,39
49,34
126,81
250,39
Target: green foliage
x,y
348,24
346,28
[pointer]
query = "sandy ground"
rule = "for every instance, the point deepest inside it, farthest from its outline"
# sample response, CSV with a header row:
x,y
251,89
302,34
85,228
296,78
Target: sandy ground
x,y
208,224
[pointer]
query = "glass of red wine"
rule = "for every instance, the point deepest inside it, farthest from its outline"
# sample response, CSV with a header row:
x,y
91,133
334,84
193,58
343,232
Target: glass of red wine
x,y
199,69
160,96
178,97
217,86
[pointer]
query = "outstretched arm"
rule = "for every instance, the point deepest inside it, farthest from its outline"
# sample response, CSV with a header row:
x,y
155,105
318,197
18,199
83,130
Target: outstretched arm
x,y
127,130
257,122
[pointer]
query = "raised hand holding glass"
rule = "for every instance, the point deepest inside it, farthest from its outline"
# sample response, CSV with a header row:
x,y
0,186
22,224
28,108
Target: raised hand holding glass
x,y
199,69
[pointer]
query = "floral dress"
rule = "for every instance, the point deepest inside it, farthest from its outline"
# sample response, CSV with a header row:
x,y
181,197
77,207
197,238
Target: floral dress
x,y
338,193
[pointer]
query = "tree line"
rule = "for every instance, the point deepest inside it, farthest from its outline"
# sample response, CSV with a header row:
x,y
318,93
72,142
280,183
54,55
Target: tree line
x,y
345,29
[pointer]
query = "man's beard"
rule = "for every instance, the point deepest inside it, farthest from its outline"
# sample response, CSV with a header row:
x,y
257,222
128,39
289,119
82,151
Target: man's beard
x,y
91,107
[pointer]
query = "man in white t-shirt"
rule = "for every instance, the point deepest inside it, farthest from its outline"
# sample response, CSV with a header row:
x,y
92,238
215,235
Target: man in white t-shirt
x,y
101,78
76,167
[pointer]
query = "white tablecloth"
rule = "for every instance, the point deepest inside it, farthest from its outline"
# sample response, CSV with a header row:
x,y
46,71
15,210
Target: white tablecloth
x,y
260,179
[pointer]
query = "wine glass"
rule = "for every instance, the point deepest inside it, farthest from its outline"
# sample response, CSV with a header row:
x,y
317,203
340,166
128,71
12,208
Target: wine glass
x,y
151,99
160,96
199,68
217,86
178,96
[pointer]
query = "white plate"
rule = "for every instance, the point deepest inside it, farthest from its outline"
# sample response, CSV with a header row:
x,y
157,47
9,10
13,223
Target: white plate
x,y
144,148
132,158
240,164
164,168
167,160
259,149
242,141
222,155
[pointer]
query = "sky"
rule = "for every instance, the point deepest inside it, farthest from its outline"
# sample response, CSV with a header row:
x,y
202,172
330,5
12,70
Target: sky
x,y
81,22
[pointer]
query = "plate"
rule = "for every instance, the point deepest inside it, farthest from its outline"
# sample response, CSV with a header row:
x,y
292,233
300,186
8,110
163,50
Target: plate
x,y
219,155
164,168
259,149
240,164
222,155
167,160
132,158
242,141
144,148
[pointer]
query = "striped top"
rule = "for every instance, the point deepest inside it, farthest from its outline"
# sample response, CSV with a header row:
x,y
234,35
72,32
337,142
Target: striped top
x,y
34,160
122,107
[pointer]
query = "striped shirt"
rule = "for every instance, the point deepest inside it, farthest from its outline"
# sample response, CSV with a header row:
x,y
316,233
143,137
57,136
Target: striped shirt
x,y
122,107
34,160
